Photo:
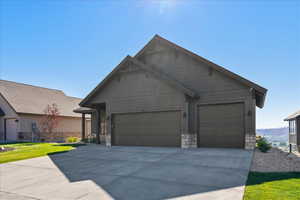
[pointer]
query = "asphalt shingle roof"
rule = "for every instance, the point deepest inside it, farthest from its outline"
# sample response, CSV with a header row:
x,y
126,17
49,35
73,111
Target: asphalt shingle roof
x,y
31,99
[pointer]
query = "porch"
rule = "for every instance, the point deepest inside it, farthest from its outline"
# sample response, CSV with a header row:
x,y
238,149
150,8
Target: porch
x,y
97,125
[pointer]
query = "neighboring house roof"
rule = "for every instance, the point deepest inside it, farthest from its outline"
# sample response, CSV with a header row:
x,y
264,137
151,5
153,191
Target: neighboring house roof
x,y
260,92
293,116
154,71
31,99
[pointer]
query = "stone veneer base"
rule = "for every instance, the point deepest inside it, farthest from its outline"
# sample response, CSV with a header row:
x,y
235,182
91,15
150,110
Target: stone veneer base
x,y
250,142
189,141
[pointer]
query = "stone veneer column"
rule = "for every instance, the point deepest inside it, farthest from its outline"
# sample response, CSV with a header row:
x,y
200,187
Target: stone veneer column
x,y
108,129
108,140
250,142
189,141
250,137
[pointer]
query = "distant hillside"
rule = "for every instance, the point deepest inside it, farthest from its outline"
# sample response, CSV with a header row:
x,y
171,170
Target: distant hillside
x,y
275,134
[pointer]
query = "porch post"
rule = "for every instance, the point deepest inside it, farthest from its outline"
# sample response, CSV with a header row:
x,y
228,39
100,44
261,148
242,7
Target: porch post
x,y
83,127
98,126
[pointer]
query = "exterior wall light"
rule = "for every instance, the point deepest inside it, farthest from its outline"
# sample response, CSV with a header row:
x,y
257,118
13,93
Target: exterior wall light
x,y
249,113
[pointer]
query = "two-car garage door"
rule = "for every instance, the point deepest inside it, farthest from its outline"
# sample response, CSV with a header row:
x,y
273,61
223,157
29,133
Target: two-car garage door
x,y
147,129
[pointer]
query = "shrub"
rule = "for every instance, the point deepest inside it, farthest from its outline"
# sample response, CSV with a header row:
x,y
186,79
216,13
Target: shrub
x,y
263,145
90,140
72,139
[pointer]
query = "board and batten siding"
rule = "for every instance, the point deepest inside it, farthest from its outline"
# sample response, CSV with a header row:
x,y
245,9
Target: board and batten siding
x,y
294,136
138,91
213,87
298,131
293,131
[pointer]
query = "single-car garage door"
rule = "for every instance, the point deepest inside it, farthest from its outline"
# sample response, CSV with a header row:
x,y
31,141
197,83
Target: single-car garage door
x,y
221,125
147,129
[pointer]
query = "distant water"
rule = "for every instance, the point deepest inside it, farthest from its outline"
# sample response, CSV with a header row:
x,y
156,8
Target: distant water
x,y
275,134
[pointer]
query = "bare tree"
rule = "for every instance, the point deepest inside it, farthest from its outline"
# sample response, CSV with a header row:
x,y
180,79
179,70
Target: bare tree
x,y
50,119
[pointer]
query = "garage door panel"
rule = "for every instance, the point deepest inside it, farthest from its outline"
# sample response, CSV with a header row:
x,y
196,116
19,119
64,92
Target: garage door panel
x,y
157,141
216,115
221,125
147,129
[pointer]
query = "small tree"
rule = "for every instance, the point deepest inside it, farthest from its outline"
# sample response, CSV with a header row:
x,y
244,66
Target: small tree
x,y
50,119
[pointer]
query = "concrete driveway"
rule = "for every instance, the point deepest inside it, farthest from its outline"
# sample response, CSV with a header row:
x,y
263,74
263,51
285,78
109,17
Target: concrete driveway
x,y
97,172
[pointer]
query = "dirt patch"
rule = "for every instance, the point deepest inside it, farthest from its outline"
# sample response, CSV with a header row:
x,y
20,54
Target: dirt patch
x,y
5,149
275,160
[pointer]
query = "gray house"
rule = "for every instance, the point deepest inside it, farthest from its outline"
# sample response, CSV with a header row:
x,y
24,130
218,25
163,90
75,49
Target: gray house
x,y
294,129
168,96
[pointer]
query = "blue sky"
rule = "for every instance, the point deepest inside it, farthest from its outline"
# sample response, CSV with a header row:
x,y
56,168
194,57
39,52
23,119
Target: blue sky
x,y
73,44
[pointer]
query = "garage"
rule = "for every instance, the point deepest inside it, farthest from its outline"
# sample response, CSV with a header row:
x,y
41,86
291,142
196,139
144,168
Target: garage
x,y
221,125
147,129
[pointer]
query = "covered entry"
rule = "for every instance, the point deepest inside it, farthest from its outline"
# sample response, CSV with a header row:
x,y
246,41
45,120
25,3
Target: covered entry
x,y
221,125
147,129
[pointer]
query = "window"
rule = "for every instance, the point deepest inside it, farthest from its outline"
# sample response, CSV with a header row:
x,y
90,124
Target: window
x,y
292,127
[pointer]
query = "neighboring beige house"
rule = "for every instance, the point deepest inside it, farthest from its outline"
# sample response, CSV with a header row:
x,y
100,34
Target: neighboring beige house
x,y
22,108
168,96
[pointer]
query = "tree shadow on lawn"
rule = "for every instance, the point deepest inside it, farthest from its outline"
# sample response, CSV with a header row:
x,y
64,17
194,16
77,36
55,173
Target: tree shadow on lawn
x,y
255,178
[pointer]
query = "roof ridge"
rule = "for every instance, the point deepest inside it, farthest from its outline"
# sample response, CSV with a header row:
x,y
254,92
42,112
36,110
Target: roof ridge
x,y
73,97
25,84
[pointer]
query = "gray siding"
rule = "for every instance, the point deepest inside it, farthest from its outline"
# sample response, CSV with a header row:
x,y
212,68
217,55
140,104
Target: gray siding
x,y
298,131
138,91
292,139
212,86
293,133
133,89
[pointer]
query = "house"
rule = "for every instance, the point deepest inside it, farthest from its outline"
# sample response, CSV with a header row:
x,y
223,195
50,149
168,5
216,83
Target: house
x,y
22,109
294,129
168,96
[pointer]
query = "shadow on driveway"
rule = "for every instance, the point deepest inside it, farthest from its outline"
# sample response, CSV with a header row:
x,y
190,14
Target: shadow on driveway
x,y
158,173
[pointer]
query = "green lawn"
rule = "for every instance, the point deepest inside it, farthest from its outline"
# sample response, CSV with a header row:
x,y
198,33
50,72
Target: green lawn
x,y
273,186
31,150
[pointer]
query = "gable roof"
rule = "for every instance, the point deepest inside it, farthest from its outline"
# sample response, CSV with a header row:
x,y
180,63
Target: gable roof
x,y
293,116
31,99
157,73
260,92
